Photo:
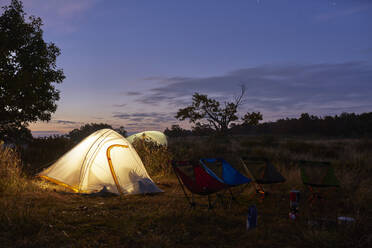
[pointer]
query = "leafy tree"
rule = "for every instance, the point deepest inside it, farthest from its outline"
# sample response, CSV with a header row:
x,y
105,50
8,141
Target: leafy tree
x,y
19,135
252,118
27,70
122,131
79,134
177,131
210,110
202,129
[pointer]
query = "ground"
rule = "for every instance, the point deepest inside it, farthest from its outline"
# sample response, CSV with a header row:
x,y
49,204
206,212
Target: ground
x,y
34,213
57,218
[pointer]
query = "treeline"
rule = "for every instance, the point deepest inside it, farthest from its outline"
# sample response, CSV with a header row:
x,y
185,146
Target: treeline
x,y
344,125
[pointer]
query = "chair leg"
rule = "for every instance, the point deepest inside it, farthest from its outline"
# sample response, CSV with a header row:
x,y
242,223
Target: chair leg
x,y
233,198
314,197
192,203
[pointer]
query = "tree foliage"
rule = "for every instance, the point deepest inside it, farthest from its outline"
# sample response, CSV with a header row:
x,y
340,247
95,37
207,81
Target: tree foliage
x,y
212,111
217,116
79,134
344,125
19,135
252,118
177,131
122,131
27,70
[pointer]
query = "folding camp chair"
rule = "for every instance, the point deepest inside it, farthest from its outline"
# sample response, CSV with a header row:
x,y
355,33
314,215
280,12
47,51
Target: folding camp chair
x,y
191,175
316,176
262,172
221,170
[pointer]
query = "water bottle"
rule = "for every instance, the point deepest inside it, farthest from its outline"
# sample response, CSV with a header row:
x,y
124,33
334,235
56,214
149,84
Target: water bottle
x,y
294,200
252,217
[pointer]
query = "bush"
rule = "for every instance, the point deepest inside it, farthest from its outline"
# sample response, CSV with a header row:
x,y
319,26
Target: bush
x,y
156,158
11,177
42,152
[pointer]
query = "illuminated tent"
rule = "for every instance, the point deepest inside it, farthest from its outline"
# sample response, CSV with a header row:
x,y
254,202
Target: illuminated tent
x,y
154,136
104,159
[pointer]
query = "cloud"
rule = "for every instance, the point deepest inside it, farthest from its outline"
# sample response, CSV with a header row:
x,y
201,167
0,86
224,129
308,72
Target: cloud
x,y
337,13
164,79
145,118
132,93
155,99
57,15
273,89
64,122
119,105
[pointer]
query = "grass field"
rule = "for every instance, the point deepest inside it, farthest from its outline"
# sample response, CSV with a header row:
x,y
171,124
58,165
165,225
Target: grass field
x,y
37,214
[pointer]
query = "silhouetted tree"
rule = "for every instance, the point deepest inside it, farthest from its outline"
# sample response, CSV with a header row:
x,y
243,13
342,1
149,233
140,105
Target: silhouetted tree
x,y
252,118
43,151
344,125
177,131
79,134
27,70
202,129
19,135
122,131
210,110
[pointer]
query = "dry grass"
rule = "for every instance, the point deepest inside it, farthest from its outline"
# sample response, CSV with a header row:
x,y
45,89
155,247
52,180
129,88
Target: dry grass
x,y
61,219
155,157
12,179
49,216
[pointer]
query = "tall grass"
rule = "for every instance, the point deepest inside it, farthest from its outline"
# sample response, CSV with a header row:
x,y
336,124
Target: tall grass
x,y
156,158
19,220
12,179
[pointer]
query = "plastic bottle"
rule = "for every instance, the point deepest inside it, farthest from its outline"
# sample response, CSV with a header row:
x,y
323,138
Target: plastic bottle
x,y
252,217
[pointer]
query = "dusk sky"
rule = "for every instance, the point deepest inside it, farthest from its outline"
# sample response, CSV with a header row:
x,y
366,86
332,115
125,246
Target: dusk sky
x,y
135,63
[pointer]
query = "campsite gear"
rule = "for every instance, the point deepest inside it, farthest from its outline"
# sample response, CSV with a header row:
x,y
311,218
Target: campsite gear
x,y
252,217
222,171
103,159
316,176
294,202
153,136
345,220
262,172
292,215
229,175
294,198
191,175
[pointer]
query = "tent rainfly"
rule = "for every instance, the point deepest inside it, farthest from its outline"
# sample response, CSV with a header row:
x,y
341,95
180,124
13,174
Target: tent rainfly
x,y
103,159
154,136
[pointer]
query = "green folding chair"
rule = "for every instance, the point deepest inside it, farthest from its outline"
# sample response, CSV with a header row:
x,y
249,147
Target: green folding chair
x,y
316,176
262,172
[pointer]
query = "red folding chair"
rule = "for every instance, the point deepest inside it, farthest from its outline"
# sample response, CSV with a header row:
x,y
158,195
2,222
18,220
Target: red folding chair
x,y
192,176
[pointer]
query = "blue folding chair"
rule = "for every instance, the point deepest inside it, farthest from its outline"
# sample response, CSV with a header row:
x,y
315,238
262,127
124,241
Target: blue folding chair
x,y
221,170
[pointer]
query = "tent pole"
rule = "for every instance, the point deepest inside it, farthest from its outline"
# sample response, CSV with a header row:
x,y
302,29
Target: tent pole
x,y
112,167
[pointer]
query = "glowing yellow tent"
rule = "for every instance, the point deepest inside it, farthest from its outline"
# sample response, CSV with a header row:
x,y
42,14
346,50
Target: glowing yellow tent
x,y
154,136
103,159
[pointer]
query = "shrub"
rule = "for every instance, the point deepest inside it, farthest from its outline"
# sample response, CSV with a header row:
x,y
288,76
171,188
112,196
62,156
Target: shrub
x,y
12,179
156,158
41,152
